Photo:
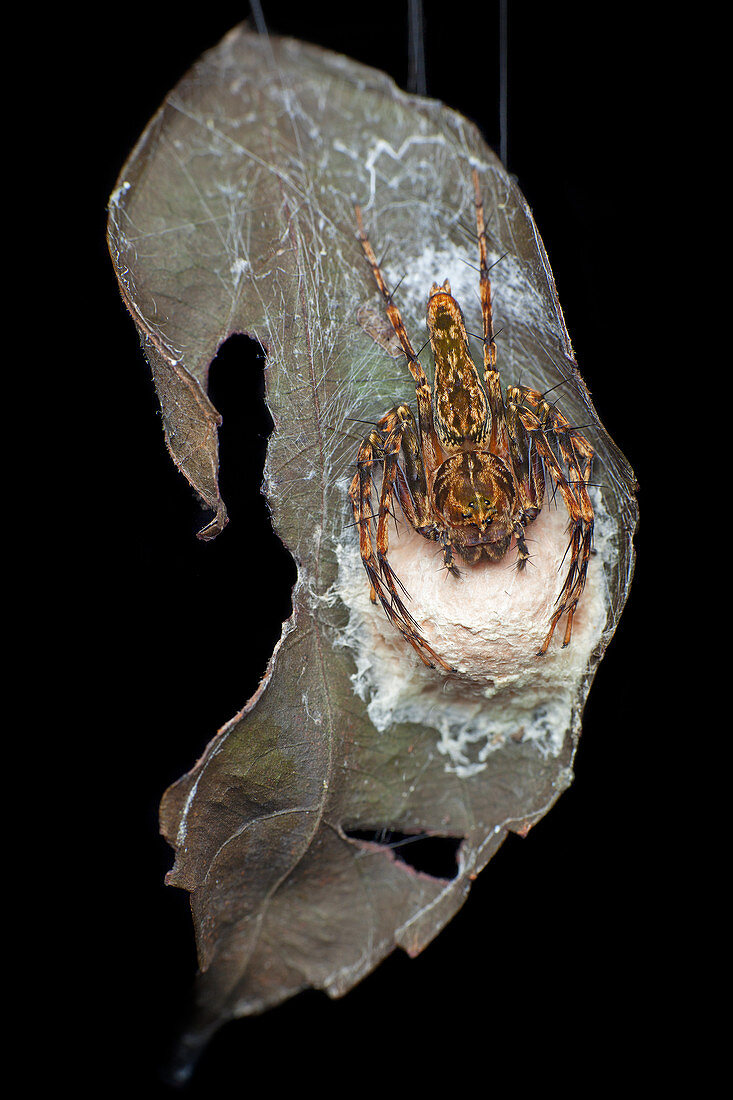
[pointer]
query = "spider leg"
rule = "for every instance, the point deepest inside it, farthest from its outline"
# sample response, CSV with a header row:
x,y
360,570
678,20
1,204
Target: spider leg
x,y
498,438
385,584
573,449
522,551
447,545
422,387
410,478
528,470
567,437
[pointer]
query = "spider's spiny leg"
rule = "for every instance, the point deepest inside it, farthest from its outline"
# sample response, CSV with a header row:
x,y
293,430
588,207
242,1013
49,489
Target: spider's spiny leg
x,y
498,438
393,313
398,613
572,591
522,551
447,546
422,386
526,460
404,622
485,283
580,511
418,509
384,583
360,494
389,471
553,420
571,444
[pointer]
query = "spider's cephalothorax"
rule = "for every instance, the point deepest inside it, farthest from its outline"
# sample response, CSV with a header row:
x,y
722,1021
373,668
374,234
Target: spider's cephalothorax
x,y
470,471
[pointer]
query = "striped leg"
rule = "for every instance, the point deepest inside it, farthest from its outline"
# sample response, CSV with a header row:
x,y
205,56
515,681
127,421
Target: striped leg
x,y
574,449
385,584
423,395
498,439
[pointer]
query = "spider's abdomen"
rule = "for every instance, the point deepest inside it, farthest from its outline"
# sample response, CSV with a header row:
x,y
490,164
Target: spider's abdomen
x,y
461,408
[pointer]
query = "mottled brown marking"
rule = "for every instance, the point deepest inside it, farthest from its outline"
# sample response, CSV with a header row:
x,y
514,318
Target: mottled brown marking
x,y
461,408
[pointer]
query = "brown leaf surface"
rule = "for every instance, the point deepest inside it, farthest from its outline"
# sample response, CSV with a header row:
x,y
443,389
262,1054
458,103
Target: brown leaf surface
x,y
235,214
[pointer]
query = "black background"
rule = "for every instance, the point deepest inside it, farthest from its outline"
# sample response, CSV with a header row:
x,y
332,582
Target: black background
x,y
557,955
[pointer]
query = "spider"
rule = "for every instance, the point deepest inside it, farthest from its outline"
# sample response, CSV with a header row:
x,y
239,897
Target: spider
x,y
469,472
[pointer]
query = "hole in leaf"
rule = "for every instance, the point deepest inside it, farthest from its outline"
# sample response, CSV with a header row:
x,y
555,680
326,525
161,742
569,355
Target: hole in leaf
x,y
252,560
236,385
436,856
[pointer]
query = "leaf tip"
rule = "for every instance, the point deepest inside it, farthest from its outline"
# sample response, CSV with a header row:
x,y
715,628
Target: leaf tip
x,y
215,525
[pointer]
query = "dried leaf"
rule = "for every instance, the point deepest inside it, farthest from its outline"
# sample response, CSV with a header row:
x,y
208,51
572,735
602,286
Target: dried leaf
x,y
235,213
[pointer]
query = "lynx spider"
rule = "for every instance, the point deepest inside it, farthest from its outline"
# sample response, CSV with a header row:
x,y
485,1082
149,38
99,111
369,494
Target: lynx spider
x,y
469,473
